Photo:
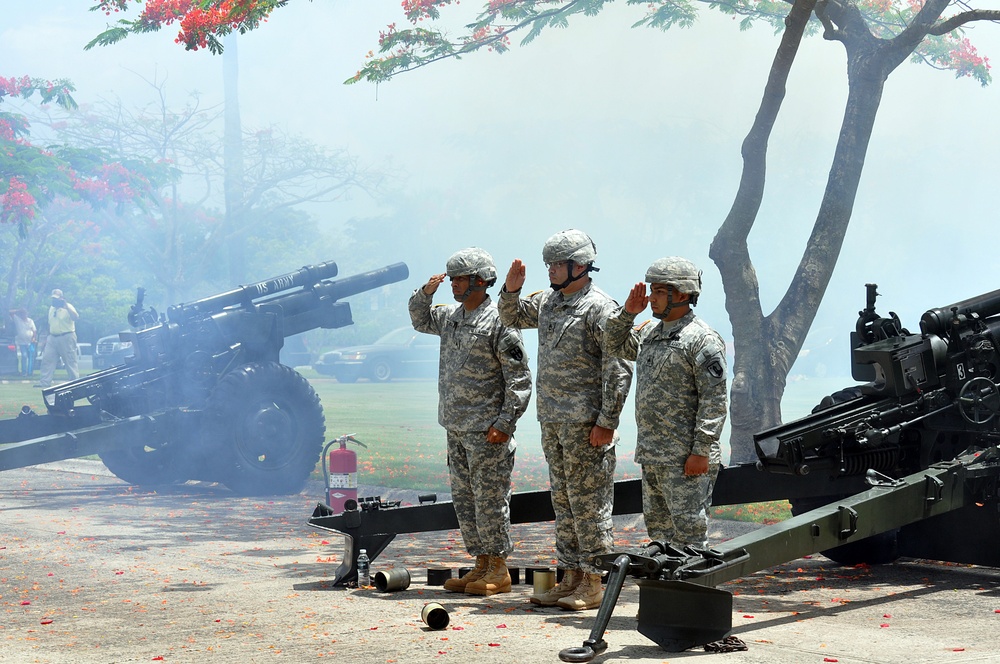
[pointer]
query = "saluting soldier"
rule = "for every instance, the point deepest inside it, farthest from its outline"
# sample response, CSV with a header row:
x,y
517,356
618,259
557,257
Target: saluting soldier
x,y
581,392
680,400
484,386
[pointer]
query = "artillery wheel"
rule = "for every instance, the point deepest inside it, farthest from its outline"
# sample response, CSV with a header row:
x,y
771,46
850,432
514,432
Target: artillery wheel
x,y
142,466
267,423
139,465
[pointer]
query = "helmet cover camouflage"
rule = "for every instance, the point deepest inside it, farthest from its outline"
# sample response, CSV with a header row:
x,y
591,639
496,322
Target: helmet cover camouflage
x,y
675,271
570,245
472,261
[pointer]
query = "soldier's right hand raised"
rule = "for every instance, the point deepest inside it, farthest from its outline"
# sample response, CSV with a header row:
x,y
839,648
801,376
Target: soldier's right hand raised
x,y
637,299
432,284
515,276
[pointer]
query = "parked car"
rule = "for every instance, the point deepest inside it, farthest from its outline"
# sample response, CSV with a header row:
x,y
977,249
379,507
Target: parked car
x,y
111,352
294,352
8,357
402,353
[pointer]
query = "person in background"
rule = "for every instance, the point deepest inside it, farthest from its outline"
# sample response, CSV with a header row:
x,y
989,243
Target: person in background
x,y
581,392
680,400
61,342
25,338
484,386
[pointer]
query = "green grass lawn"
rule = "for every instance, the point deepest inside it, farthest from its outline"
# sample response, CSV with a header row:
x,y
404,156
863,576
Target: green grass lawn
x,y
406,447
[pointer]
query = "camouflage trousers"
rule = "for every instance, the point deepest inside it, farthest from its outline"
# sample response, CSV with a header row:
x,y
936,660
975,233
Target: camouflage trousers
x,y
675,506
582,479
480,489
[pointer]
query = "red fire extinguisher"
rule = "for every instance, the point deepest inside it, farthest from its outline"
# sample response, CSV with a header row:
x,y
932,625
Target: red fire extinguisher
x,y
341,474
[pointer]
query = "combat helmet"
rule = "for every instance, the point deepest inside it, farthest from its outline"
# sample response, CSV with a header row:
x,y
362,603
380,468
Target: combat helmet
x,y
573,246
680,273
472,262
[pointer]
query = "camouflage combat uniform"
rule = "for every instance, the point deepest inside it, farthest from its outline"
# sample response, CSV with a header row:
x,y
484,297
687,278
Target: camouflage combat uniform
x,y
680,407
483,381
579,385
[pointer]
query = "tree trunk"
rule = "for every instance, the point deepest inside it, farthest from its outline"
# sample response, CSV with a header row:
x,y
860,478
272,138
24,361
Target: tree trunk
x,y
766,347
233,157
755,398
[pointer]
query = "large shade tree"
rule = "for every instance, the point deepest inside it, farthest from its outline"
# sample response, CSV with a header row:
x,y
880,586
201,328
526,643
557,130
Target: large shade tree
x,y
877,36
56,201
182,234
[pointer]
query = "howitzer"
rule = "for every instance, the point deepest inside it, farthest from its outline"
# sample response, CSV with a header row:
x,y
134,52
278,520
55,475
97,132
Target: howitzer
x,y
923,432
204,396
904,464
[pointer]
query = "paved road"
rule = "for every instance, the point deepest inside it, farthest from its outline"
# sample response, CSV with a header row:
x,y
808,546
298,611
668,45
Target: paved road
x,y
92,570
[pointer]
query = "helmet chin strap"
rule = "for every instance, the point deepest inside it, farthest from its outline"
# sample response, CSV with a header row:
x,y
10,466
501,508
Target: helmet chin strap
x,y
670,305
463,296
569,275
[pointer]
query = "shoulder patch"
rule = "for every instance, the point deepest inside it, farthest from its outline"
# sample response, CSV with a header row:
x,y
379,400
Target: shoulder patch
x,y
512,344
715,369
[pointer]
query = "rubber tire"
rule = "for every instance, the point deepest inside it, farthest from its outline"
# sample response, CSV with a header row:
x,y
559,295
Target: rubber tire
x,y
139,465
267,425
382,372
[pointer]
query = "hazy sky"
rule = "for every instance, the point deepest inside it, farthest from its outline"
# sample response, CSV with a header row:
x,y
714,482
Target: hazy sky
x,y
630,134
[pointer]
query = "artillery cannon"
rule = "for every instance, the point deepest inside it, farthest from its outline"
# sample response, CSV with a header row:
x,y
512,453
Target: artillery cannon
x,y
906,463
204,396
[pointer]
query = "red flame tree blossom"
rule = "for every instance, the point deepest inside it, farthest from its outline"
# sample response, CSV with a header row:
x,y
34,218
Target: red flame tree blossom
x,y
201,22
32,176
944,46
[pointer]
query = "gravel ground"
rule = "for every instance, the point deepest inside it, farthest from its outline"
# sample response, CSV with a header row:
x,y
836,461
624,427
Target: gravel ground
x,y
92,570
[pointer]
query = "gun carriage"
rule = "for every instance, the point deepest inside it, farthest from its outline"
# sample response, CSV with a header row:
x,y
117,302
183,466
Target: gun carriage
x,y
906,463
204,396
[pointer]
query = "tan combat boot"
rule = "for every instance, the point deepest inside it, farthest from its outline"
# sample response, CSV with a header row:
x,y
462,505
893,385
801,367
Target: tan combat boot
x,y
495,580
587,595
571,579
458,585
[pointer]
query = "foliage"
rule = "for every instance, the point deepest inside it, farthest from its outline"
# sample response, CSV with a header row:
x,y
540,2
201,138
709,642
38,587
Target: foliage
x,y
180,239
33,176
201,22
406,49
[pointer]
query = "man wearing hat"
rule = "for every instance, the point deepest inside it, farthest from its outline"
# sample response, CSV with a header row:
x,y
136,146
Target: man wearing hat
x,y
484,387
680,400
61,342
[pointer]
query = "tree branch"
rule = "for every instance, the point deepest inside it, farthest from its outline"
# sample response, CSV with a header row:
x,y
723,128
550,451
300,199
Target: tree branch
x,y
959,20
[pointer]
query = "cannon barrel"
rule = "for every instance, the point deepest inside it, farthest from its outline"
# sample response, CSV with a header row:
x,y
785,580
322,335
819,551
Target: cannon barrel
x,y
937,321
366,281
319,306
245,295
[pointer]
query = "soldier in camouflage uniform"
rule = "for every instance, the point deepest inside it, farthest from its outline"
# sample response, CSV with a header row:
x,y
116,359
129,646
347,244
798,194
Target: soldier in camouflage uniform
x,y
581,391
484,386
680,401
